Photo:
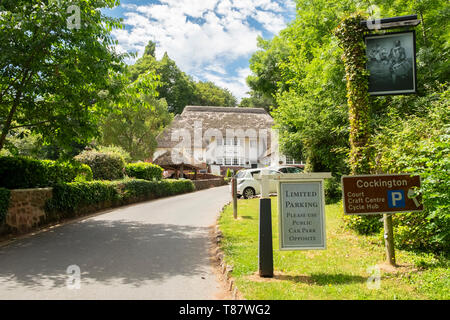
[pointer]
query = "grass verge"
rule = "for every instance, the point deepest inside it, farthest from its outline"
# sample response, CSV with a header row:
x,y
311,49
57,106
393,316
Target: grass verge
x,y
342,271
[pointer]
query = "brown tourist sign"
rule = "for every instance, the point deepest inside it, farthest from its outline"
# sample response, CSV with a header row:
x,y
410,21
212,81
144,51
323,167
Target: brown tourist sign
x,y
373,194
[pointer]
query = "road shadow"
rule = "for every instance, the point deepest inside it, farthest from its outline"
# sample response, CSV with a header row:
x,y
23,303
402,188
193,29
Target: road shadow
x,y
106,251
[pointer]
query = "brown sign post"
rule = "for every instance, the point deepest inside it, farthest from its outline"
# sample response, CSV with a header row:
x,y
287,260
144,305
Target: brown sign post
x,y
387,194
375,194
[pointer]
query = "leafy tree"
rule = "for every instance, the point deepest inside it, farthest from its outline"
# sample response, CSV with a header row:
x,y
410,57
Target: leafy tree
x,y
138,117
208,94
419,144
302,68
257,100
178,88
52,74
268,77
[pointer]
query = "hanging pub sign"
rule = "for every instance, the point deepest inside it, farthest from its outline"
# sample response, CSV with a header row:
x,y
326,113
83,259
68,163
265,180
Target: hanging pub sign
x,y
391,62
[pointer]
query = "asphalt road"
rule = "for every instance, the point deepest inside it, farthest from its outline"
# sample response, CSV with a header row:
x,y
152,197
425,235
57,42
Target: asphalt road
x,y
151,250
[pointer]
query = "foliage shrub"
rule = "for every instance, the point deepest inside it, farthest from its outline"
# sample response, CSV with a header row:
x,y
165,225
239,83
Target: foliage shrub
x,y
4,203
69,198
116,150
369,224
420,145
333,190
139,188
144,170
104,165
59,172
229,174
24,172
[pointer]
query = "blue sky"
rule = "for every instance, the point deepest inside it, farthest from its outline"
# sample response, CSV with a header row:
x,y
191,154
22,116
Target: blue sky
x,y
211,40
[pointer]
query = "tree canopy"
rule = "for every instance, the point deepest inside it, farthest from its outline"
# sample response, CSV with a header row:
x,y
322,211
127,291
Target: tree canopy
x,y
302,70
138,117
178,88
54,72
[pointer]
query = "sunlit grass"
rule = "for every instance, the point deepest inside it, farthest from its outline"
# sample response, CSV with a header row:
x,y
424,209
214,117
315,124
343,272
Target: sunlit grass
x,y
339,272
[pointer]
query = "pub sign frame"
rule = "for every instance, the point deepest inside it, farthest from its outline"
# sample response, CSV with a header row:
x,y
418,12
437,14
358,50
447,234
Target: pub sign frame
x,y
391,62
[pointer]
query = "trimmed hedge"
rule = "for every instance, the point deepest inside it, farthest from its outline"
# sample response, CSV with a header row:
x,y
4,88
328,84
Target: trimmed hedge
x,y
144,170
138,188
24,172
4,203
69,198
104,165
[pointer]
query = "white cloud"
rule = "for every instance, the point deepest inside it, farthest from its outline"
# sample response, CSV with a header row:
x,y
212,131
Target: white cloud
x,y
235,84
203,36
217,68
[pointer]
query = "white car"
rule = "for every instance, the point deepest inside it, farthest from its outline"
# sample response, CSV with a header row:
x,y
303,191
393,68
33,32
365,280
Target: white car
x,y
287,169
248,187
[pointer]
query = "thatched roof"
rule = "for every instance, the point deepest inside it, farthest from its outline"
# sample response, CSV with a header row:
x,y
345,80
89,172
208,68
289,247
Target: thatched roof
x,y
215,118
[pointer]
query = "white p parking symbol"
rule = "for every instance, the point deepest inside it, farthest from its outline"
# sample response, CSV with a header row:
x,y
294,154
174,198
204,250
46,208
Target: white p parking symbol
x,y
396,196
396,199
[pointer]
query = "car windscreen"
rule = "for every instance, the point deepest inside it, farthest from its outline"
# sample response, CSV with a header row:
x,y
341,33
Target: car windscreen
x,y
240,174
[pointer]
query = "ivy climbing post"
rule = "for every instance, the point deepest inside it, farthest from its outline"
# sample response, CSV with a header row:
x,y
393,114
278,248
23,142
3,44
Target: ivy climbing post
x,y
350,34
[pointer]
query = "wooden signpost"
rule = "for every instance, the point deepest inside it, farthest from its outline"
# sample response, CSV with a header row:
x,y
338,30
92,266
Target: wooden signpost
x,y
375,194
386,194
234,195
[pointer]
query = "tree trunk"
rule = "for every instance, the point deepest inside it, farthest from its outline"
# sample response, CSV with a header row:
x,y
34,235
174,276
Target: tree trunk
x,y
7,125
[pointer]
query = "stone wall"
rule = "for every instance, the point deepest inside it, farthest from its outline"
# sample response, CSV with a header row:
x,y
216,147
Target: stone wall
x,y
26,208
208,183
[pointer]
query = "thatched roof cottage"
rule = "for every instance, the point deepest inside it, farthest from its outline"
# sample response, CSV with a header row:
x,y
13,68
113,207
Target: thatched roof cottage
x,y
218,138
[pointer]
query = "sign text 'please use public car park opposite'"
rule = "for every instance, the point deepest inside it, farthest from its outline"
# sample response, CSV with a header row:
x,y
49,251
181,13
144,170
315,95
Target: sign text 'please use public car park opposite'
x,y
301,215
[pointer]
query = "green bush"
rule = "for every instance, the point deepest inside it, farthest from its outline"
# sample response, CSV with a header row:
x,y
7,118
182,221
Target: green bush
x,y
229,174
69,198
4,203
421,146
333,190
104,165
116,150
138,188
179,186
24,172
144,170
367,225
60,172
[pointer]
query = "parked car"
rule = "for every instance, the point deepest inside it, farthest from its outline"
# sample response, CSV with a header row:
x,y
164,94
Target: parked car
x,y
248,187
288,169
